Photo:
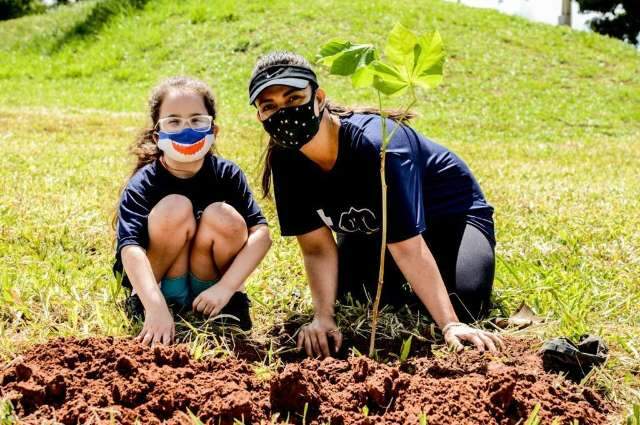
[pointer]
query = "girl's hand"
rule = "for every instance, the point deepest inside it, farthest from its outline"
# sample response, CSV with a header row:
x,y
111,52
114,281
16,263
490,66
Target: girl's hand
x,y
313,336
211,301
159,327
456,332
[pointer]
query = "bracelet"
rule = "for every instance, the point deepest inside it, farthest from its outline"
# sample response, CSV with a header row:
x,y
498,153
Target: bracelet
x,y
450,325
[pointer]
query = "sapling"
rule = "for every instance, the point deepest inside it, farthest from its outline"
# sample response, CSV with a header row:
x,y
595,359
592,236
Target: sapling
x,y
410,62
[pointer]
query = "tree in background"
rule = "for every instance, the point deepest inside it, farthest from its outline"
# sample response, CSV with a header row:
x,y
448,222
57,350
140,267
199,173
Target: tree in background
x,y
620,18
10,9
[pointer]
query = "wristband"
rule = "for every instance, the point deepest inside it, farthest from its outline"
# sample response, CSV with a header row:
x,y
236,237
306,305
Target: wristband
x,y
450,325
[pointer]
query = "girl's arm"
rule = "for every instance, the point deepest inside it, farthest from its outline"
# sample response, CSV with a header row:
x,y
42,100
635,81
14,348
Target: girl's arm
x,y
418,266
321,264
158,324
245,262
251,254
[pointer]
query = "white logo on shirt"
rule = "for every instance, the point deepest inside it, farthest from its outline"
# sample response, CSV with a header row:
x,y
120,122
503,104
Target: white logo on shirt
x,y
325,219
352,221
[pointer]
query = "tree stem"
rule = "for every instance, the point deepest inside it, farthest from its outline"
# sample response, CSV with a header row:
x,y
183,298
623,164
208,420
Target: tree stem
x,y
383,184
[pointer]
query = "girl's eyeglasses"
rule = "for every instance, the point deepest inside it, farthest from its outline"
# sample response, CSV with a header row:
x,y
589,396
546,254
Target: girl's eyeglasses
x,y
201,123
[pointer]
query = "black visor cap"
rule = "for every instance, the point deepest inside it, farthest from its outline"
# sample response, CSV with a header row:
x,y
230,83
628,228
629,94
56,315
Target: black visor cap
x,y
285,75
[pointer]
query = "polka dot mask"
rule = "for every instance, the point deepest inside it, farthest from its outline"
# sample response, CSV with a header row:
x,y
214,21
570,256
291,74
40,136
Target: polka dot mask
x,y
294,126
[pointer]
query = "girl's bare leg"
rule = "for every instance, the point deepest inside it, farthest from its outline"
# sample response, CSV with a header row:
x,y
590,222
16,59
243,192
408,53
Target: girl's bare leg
x,y
221,234
171,227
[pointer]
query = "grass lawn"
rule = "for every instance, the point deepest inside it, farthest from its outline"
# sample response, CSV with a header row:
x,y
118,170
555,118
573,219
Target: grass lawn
x,y
547,118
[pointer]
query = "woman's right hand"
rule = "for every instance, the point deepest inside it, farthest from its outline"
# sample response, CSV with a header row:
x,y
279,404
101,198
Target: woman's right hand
x,y
159,327
455,333
314,336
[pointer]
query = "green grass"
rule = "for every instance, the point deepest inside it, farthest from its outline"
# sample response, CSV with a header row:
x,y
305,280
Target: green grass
x,y
547,118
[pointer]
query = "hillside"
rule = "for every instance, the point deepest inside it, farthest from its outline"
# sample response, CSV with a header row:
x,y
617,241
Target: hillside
x,y
547,118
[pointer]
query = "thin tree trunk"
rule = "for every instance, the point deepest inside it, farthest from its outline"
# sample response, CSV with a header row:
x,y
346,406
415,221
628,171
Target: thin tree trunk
x,y
383,250
565,15
383,244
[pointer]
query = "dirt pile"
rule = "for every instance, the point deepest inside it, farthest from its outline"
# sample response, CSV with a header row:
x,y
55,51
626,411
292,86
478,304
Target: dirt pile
x,y
110,380
94,380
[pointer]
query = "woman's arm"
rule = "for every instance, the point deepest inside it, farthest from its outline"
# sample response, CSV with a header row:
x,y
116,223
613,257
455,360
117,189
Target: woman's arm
x,y
418,266
321,264
158,324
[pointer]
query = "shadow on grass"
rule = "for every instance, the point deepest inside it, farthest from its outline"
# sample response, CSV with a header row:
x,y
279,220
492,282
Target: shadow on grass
x,y
213,337
94,22
408,327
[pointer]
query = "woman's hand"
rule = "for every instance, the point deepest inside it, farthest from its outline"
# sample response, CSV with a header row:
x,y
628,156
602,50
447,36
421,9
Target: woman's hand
x,y
456,332
314,336
211,301
159,327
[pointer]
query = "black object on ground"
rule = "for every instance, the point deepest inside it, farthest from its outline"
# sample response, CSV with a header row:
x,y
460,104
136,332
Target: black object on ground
x,y
574,360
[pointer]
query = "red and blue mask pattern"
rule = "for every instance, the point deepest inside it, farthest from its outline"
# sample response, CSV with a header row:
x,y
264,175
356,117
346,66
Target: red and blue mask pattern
x,y
187,145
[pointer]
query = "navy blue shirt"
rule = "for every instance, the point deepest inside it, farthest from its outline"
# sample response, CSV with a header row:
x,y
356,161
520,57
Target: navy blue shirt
x,y
218,180
424,181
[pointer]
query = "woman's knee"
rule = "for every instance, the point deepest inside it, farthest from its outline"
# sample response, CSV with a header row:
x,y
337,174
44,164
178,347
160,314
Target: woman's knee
x,y
470,307
172,215
474,283
474,280
475,263
225,221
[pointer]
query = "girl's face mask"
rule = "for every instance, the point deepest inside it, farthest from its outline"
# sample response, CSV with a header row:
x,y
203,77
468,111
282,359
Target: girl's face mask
x,y
187,145
294,126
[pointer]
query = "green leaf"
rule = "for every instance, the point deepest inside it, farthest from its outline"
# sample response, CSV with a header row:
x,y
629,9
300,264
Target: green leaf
x,y
634,417
365,411
399,48
429,60
304,413
344,58
352,59
388,79
406,348
194,419
410,61
328,52
534,418
363,77
424,420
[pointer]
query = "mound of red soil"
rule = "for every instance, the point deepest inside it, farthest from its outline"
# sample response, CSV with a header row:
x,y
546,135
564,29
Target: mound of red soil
x,y
109,380
94,380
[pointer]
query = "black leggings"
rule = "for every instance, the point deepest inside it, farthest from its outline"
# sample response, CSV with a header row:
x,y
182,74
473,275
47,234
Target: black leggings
x,y
464,255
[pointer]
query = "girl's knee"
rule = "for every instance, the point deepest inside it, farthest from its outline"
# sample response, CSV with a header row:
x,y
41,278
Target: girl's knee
x,y
224,220
174,213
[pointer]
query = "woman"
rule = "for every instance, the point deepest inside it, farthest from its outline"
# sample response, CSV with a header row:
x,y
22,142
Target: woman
x,y
325,163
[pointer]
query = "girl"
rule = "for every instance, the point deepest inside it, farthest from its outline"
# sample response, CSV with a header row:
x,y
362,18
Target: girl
x,y
325,163
189,232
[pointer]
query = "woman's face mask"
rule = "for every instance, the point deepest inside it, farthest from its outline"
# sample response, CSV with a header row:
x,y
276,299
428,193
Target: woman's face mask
x,y
187,145
294,126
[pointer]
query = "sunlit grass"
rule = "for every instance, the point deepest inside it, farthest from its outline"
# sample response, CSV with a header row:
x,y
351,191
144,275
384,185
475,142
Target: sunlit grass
x,y
547,119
